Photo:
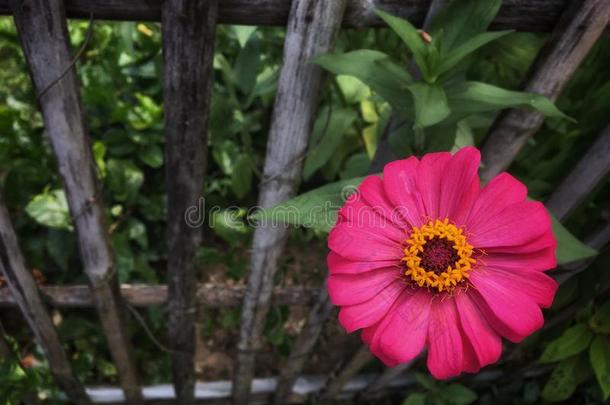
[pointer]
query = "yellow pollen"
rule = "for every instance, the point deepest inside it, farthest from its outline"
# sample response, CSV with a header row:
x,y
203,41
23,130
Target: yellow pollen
x,y
449,235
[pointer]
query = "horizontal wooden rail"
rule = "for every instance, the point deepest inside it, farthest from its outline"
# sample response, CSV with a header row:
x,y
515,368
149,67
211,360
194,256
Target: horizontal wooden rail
x,y
531,15
146,295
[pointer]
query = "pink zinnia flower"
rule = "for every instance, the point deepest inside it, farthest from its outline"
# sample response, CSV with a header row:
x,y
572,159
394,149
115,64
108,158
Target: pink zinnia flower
x,y
425,257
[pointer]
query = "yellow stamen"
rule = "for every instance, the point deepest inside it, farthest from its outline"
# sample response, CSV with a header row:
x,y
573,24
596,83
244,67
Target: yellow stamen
x,y
455,273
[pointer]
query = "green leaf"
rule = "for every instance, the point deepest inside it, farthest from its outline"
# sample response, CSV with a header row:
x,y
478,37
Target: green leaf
x,y
241,176
243,33
151,155
411,37
565,378
569,249
327,133
573,341
462,20
50,209
416,398
354,91
458,394
456,55
229,225
316,209
474,97
247,66
600,361
425,381
376,70
430,103
124,179
600,321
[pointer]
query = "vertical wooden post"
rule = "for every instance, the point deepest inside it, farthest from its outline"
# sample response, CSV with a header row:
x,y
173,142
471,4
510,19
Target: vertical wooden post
x,y
312,28
578,29
44,36
188,52
24,289
589,171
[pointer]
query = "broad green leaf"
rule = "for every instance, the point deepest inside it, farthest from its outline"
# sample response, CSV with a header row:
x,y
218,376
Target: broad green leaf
x,y
354,91
124,179
573,341
417,398
600,321
241,176
50,209
474,97
376,70
316,209
565,378
357,165
456,55
569,249
247,66
229,225
600,361
151,155
458,394
430,103
327,134
243,33
461,20
411,37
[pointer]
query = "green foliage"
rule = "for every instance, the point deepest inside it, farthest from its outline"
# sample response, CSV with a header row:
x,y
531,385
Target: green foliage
x,y
565,378
573,341
600,361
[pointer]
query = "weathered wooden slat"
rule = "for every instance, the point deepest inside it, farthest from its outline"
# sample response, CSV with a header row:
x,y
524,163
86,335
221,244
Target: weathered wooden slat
x,y
578,29
23,287
188,51
376,387
337,380
589,171
531,15
303,346
147,295
41,25
312,29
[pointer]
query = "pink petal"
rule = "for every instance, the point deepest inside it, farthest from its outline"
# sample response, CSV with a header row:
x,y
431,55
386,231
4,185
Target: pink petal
x,y
445,344
502,191
430,173
539,287
399,183
517,224
361,216
484,342
404,334
363,244
544,241
539,260
511,313
368,313
371,338
372,193
338,264
460,185
350,289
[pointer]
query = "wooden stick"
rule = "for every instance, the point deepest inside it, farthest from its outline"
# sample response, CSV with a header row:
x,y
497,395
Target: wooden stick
x,y
44,36
303,346
337,380
531,15
580,26
312,29
381,382
23,287
188,51
149,295
583,178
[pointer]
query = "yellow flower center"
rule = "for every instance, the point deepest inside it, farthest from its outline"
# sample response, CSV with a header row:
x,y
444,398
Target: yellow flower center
x,y
438,256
